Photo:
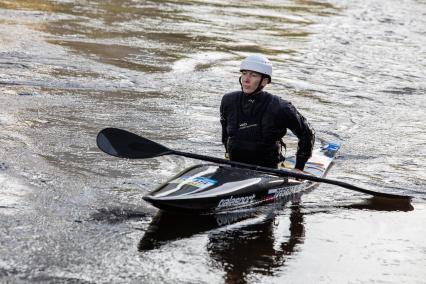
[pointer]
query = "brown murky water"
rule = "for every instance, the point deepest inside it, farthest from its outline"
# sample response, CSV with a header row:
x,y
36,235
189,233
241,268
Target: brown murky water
x,y
71,214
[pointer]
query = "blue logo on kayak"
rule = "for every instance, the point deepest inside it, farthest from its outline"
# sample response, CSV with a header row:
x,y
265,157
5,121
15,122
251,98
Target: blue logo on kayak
x,y
200,182
332,147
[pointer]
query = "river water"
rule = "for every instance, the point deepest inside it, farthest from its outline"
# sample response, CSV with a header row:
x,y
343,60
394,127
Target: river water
x,y
71,214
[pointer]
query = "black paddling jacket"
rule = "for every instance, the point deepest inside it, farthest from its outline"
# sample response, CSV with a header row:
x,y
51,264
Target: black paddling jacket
x,y
252,128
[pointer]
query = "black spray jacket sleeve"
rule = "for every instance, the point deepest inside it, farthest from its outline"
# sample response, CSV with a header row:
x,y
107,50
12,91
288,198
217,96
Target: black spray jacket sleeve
x,y
223,121
291,119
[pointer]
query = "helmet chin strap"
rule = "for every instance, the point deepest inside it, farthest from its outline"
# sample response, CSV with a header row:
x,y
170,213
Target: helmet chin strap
x,y
258,89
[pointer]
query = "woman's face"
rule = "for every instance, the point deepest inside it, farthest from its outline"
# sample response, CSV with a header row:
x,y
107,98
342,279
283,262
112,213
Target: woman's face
x,y
250,81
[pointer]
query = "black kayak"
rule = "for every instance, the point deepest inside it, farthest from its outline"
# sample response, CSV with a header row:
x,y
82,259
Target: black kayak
x,y
212,188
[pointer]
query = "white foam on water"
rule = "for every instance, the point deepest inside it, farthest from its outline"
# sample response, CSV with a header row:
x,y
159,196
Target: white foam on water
x,y
12,194
189,64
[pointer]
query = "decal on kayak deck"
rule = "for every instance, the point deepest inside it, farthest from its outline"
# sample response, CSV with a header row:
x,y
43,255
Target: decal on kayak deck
x,y
235,201
276,193
198,182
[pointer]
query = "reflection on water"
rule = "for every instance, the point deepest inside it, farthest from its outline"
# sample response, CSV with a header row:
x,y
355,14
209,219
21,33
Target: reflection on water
x,y
151,36
245,243
253,248
120,55
382,204
240,242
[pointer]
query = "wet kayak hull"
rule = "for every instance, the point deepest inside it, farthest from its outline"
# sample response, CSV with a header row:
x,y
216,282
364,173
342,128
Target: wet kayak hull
x,y
212,188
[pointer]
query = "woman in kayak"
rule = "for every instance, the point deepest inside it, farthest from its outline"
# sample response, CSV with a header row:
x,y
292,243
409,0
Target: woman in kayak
x,y
254,121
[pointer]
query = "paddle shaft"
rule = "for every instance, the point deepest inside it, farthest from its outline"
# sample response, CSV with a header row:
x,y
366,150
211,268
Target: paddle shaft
x,y
287,173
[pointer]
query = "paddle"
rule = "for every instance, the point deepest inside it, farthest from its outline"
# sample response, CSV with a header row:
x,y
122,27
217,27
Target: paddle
x,y
124,144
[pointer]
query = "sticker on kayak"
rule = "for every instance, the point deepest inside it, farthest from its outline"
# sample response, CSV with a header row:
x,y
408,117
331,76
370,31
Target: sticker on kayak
x,y
235,201
199,182
330,149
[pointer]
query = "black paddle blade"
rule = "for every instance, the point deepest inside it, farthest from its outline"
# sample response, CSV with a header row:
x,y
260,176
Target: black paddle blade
x,y
124,144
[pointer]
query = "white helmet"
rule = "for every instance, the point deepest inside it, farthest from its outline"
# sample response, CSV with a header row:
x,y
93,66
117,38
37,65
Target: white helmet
x,y
257,63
